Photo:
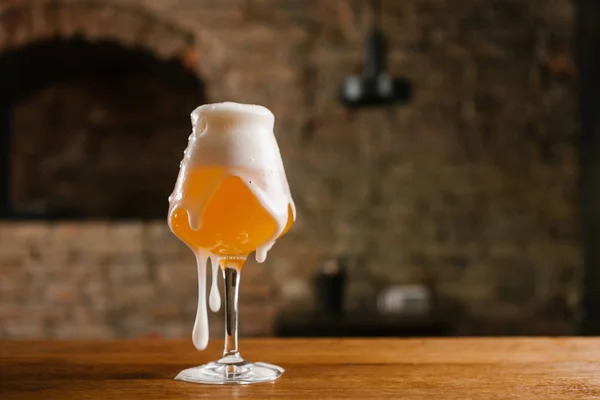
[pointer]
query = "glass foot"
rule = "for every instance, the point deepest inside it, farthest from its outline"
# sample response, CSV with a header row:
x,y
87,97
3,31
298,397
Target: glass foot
x,y
242,373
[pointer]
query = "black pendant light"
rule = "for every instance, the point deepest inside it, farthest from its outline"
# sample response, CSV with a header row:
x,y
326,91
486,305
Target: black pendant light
x,y
375,87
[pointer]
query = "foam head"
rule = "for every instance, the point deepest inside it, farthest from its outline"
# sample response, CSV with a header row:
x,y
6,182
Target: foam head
x,y
238,138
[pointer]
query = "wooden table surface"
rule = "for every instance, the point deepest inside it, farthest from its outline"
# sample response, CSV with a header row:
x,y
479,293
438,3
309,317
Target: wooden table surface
x,y
532,368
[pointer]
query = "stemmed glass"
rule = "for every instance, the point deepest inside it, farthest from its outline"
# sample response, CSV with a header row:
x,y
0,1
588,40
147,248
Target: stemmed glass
x,y
231,199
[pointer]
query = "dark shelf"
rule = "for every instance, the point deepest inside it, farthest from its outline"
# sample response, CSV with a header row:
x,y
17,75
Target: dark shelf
x,y
318,325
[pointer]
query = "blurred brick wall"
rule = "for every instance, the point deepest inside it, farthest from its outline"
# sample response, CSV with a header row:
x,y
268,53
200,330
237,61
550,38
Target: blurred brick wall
x,y
471,187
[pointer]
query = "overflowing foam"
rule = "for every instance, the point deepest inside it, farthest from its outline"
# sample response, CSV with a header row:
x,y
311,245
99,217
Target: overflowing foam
x,y
214,300
239,139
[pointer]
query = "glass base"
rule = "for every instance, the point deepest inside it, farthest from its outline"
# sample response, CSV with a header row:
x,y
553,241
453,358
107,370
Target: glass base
x,y
241,373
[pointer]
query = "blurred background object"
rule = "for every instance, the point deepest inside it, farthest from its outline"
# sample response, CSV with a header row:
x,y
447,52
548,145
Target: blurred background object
x,y
375,87
454,211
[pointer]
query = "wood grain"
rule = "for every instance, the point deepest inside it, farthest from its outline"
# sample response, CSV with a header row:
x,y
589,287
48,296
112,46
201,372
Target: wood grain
x,y
508,368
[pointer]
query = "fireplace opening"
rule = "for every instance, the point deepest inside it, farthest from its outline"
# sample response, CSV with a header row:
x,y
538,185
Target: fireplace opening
x,y
91,130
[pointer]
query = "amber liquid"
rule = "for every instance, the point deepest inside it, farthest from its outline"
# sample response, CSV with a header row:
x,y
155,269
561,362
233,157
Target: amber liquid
x,y
233,221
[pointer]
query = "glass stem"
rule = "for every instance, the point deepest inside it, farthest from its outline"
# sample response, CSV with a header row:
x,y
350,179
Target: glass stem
x,y
231,276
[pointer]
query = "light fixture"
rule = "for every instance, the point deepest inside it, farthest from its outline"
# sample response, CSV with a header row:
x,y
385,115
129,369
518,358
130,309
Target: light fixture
x,y
375,87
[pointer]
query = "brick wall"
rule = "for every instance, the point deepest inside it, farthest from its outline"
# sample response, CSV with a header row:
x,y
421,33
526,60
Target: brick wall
x,y
471,187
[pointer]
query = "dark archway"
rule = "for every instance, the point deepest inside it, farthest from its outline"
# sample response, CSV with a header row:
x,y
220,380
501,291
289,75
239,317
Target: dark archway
x,y
91,130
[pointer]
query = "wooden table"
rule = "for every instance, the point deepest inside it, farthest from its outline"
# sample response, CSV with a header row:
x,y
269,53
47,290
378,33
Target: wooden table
x,y
536,368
